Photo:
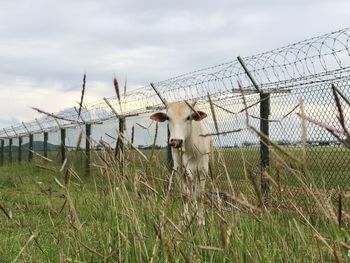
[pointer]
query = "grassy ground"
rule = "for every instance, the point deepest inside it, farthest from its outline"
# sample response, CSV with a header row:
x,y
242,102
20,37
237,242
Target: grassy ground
x,y
327,166
125,214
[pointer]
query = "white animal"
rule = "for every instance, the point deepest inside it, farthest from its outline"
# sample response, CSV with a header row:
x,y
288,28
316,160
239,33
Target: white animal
x,y
190,152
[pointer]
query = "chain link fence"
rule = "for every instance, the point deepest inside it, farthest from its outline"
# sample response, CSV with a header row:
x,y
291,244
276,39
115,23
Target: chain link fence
x,y
276,86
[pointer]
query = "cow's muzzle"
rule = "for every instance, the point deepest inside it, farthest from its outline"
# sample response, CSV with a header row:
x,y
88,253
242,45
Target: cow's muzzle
x,y
176,143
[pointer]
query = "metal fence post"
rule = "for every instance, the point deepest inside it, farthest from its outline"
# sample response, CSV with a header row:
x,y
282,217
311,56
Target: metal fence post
x,y
19,149
132,134
46,136
264,143
87,149
264,129
2,152
10,151
30,153
63,145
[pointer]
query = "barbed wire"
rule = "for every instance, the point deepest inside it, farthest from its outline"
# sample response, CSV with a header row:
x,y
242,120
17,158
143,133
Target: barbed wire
x,y
318,59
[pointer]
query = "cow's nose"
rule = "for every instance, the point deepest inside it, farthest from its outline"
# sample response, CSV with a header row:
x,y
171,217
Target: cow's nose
x,y
176,143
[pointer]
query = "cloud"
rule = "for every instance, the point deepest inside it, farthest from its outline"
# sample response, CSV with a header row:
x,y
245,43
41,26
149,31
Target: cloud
x,y
7,122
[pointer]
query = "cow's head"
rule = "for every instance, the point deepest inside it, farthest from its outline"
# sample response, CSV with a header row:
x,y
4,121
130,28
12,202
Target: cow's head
x,y
179,116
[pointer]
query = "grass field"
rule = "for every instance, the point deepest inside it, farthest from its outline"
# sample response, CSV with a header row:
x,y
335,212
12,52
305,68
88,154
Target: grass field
x,y
327,166
125,213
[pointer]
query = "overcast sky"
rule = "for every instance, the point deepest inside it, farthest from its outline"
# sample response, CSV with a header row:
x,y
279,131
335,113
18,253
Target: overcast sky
x,y
46,46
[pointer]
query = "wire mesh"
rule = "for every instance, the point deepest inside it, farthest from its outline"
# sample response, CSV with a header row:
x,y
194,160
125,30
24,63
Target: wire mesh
x,y
310,61
296,76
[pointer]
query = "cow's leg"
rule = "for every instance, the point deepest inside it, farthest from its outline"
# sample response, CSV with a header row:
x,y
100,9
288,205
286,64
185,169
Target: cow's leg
x,y
183,181
199,188
185,191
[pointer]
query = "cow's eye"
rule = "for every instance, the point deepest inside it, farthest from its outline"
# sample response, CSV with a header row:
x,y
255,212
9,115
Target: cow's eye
x,y
188,118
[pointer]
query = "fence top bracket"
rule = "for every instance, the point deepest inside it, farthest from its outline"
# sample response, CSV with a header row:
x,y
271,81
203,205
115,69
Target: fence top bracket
x,y
254,91
92,122
155,108
128,115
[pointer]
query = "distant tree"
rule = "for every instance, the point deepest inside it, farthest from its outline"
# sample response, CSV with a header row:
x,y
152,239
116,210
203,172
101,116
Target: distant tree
x,y
324,143
247,144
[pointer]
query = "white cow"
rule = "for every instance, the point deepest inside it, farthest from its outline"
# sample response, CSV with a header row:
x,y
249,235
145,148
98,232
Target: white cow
x,y
190,152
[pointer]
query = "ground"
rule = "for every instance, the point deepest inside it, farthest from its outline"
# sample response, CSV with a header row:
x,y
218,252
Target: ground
x,y
49,215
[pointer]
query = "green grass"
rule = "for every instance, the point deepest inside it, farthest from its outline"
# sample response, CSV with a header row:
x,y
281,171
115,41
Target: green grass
x,y
127,216
327,166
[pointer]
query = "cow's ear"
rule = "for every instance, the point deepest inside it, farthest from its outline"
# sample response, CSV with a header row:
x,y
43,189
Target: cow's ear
x,y
200,115
159,116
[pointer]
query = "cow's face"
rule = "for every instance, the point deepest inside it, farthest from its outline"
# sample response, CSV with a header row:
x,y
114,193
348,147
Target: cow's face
x,y
179,116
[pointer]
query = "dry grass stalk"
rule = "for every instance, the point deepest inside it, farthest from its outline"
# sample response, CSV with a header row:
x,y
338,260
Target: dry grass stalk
x,y
322,125
222,133
340,111
149,187
335,132
224,109
52,169
268,177
340,209
154,140
185,257
154,250
82,95
343,244
31,238
256,189
63,165
220,156
275,145
278,177
173,224
192,107
258,118
41,156
144,127
225,235
79,116
245,203
341,94
163,100
303,133
291,111
78,225
125,84
211,248
244,103
117,92
318,236
139,152
105,146
91,250
53,115
116,88
213,114
7,214
77,146
325,243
